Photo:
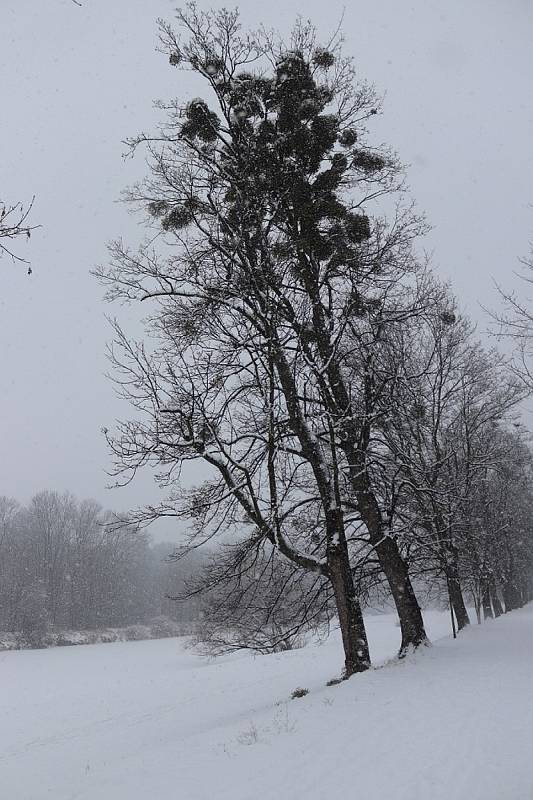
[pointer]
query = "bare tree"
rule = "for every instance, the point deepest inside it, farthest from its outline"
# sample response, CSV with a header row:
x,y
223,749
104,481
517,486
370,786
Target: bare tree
x,y
515,322
51,518
267,260
268,605
451,399
14,224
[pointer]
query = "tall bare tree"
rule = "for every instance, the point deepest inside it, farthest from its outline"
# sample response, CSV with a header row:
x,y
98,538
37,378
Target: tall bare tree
x,y
268,262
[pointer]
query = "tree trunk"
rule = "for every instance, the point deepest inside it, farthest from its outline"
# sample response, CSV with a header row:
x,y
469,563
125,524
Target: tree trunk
x,y
511,596
451,558
355,443
496,604
356,653
477,605
457,600
397,574
511,589
485,600
523,591
409,613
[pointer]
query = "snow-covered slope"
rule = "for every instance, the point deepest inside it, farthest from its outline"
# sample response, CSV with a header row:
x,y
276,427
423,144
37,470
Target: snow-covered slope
x,y
152,721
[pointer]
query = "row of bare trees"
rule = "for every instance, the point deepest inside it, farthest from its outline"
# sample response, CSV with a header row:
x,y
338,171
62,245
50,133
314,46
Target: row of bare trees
x,y
347,423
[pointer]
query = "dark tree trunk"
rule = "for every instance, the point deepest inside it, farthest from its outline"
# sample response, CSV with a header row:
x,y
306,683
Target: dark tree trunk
x,y
511,596
451,558
523,589
510,588
356,653
496,604
485,600
396,573
457,600
354,443
409,613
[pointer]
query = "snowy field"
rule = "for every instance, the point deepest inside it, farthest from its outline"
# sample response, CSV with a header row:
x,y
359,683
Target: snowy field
x,y
153,721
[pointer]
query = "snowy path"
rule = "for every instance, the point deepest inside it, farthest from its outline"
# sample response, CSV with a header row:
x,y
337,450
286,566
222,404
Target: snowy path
x,y
149,720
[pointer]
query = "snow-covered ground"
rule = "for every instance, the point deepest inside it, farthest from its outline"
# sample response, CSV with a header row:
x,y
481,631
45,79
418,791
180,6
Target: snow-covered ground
x,y
153,721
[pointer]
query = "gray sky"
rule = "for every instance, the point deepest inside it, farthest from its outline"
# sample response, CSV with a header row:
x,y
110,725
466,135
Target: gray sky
x,y
77,81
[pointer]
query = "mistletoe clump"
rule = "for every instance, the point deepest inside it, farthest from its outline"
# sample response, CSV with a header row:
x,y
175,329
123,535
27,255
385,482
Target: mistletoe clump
x,y
201,122
323,58
348,137
368,162
292,139
179,217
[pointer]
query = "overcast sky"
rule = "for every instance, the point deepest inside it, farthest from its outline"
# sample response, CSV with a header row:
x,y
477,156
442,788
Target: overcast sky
x,y
457,78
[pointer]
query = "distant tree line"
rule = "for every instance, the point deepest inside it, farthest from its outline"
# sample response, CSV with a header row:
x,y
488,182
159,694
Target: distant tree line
x,y
63,567
356,439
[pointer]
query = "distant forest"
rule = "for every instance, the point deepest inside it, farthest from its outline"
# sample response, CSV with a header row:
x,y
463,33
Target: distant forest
x,y
63,566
